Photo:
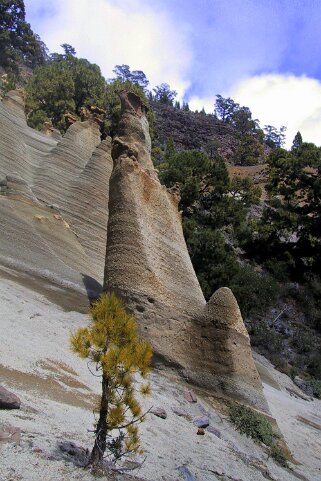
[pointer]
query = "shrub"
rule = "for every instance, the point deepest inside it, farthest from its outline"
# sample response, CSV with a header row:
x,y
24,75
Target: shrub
x,y
256,426
252,290
316,383
314,365
265,338
278,456
252,423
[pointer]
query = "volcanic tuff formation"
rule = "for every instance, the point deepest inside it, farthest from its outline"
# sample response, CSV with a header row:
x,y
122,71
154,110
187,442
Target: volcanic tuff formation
x,y
148,265
53,214
53,207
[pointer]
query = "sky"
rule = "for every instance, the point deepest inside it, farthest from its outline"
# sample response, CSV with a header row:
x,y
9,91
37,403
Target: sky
x,y
265,54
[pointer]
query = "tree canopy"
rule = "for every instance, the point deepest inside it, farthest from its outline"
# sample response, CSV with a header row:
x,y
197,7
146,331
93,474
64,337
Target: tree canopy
x,y
164,94
292,221
274,138
247,130
64,84
18,44
214,209
124,74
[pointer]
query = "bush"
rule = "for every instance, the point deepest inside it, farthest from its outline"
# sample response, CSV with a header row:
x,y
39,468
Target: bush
x,y
278,456
316,383
303,340
280,268
252,423
314,365
310,299
256,426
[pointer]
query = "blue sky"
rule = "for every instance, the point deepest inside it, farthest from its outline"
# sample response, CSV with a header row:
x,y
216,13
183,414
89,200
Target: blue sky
x,y
263,53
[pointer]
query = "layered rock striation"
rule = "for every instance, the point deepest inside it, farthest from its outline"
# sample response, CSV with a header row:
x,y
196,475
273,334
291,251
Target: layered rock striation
x,y
148,265
55,193
54,197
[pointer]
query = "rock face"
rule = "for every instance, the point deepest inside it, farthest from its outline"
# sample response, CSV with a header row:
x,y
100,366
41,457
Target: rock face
x,y
54,194
53,197
191,130
223,344
148,265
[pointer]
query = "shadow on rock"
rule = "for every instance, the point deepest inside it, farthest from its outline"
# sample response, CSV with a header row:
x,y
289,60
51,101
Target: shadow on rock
x,y
93,287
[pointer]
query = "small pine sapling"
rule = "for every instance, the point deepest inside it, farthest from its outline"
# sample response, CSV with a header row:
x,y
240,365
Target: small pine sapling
x,y
111,342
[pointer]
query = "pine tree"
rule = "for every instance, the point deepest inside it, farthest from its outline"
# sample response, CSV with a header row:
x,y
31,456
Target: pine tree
x,y
18,43
297,141
111,342
164,94
64,84
170,149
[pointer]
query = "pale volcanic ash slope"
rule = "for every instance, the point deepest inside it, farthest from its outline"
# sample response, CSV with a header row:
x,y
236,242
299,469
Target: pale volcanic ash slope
x,y
58,394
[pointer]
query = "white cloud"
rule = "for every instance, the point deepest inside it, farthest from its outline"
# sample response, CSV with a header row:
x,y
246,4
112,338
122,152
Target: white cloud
x,y
108,32
277,100
284,100
197,103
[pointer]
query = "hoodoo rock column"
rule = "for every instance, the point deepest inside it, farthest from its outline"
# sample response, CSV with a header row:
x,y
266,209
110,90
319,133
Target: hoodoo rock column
x,y
148,265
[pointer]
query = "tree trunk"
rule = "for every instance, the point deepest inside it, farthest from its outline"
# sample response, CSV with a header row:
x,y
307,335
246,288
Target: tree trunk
x,y
99,448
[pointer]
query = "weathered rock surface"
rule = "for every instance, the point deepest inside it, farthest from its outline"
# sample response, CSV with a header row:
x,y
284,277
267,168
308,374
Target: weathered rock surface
x,y
148,265
8,400
54,211
53,198
190,130
223,344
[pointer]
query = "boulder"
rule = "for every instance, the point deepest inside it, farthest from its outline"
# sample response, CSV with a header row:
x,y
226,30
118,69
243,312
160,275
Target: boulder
x,y
159,412
78,454
8,400
10,434
304,385
202,422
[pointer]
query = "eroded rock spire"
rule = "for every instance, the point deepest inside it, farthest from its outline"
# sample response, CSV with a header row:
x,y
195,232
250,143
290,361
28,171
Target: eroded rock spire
x,y
148,265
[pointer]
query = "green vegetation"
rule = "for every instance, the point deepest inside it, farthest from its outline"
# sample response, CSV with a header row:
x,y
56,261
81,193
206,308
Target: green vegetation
x,y
256,426
64,84
113,107
67,84
316,383
215,222
274,138
247,130
164,95
112,346
288,239
252,423
18,44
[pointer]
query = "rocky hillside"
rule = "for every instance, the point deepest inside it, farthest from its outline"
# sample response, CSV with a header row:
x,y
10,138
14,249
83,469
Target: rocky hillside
x,y
190,130
200,131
